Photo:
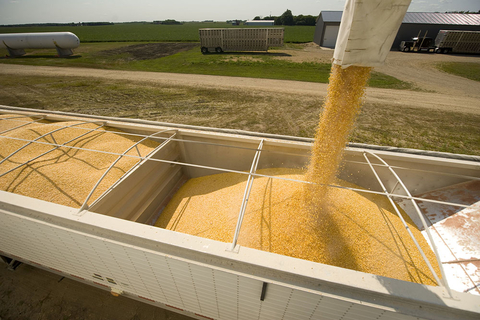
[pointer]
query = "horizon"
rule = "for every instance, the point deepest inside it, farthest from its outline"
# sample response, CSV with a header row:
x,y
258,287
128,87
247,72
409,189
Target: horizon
x,y
184,21
18,12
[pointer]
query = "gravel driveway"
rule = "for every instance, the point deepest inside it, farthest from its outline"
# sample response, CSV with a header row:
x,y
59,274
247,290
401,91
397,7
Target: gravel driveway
x,y
442,90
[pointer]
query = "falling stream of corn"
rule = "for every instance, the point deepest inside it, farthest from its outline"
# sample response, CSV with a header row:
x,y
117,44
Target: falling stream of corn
x,y
344,99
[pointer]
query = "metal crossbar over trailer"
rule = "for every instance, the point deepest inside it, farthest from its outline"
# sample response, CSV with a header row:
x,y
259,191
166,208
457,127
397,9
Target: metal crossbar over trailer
x,y
110,243
240,39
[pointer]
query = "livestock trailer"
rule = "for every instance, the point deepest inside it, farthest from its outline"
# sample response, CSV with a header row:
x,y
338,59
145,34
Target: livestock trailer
x,y
457,41
105,234
240,39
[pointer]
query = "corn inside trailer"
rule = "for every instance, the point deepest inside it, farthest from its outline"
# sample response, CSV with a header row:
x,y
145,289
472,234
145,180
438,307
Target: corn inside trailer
x,y
107,236
240,39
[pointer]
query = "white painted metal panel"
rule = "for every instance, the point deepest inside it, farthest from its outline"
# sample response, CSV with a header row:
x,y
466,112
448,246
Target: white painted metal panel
x,y
275,306
39,40
174,282
301,305
64,42
330,36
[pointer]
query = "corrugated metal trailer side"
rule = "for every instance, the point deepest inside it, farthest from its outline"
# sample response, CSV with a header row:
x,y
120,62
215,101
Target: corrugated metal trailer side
x,y
200,276
458,41
240,39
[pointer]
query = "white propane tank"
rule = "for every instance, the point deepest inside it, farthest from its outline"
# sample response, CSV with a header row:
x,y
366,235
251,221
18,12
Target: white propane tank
x,y
367,31
16,43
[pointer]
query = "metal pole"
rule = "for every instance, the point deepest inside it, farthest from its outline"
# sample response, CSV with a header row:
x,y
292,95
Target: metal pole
x,y
42,136
20,126
85,203
46,152
246,195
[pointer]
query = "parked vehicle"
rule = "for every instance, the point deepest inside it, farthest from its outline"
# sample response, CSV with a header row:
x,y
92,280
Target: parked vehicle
x,y
457,41
454,41
418,44
240,39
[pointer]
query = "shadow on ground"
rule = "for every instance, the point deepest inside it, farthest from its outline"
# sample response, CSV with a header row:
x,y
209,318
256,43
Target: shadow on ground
x,y
29,293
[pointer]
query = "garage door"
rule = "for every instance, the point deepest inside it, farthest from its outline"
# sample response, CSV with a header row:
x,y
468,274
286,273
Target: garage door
x,y
330,36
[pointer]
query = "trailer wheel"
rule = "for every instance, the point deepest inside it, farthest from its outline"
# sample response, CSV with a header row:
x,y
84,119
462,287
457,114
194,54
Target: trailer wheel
x,y
204,50
406,49
439,50
218,50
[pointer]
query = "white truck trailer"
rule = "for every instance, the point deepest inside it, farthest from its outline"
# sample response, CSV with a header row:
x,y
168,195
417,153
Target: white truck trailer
x,y
111,243
240,39
457,41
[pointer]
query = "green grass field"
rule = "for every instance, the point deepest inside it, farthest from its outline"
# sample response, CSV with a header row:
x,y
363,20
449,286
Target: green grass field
x,y
254,65
463,69
134,32
95,40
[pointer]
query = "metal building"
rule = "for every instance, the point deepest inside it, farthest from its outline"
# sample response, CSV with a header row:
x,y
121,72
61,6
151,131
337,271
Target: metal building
x,y
327,26
414,23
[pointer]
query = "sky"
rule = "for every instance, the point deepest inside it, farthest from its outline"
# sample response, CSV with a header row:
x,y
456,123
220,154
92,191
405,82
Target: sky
x,y
64,11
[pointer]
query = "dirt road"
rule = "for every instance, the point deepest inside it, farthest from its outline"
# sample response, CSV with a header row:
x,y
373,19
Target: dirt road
x,y
417,68
437,90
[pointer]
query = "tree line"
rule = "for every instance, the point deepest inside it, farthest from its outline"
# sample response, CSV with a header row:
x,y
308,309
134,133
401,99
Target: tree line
x,y
288,19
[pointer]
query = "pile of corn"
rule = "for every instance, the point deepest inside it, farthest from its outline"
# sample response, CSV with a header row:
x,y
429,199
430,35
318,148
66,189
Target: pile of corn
x,y
65,175
354,231
317,223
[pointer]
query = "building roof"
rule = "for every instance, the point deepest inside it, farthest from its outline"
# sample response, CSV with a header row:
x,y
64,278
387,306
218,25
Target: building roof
x,y
442,18
331,16
420,17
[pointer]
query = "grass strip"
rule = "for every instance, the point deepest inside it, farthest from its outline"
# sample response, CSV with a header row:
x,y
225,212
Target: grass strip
x,y
268,65
276,113
469,70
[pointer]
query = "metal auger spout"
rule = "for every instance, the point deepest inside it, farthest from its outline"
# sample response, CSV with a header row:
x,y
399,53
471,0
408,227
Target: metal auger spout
x,y
367,31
